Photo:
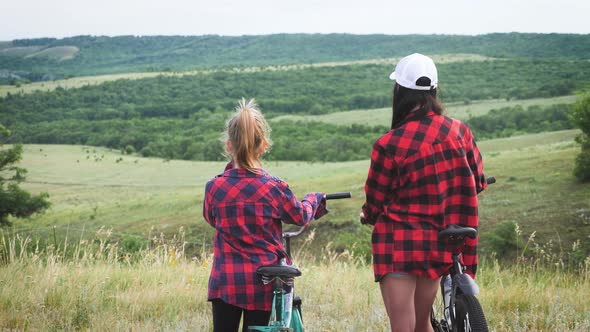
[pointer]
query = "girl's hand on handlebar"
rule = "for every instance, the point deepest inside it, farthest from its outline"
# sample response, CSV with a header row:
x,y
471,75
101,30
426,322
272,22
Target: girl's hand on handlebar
x,y
338,195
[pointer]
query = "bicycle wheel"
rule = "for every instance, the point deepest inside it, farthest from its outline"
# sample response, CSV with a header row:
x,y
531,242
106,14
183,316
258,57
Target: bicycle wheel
x,y
437,326
470,315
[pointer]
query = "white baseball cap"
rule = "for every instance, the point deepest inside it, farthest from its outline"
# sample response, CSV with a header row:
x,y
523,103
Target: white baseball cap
x,y
411,68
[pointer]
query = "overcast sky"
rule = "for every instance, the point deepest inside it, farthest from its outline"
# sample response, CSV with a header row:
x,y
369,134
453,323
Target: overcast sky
x,y
63,18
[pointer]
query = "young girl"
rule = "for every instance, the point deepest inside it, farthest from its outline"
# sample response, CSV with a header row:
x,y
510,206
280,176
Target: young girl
x,y
246,205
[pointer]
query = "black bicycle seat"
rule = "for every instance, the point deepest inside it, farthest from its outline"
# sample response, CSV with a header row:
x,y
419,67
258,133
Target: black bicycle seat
x,y
457,233
276,270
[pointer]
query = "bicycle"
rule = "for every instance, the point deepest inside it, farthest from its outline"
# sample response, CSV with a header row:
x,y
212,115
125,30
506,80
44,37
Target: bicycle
x,y
286,308
462,310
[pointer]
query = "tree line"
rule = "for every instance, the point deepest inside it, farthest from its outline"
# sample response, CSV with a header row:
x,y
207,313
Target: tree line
x,y
292,140
509,121
183,117
304,91
108,55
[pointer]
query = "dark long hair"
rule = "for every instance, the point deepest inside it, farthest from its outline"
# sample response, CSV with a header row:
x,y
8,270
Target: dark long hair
x,y
405,100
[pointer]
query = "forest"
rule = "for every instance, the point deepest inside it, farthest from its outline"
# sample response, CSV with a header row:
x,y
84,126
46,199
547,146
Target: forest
x,y
29,60
182,117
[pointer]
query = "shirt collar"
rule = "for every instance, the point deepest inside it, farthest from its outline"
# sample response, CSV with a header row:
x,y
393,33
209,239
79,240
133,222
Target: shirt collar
x,y
412,114
242,172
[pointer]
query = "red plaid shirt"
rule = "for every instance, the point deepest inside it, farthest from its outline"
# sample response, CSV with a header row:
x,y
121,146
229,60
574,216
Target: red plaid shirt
x,y
246,210
424,176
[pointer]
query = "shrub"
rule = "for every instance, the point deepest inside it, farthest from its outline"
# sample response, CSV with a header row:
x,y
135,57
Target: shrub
x,y
504,240
129,149
581,117
132,244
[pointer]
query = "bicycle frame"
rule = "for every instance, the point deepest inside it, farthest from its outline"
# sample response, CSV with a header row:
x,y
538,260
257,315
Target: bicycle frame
x,y
449,321
286,310
279,320
462,309
449,308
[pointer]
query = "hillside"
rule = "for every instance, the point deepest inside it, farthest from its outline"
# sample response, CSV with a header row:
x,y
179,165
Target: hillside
x,y
181,117
24,60
160,112
140,197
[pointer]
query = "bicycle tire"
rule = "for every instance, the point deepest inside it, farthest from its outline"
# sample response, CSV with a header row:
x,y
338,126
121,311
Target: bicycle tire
x,y
436,326
470,316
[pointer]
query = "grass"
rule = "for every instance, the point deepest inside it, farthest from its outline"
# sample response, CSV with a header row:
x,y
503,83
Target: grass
x,y
165,291
71,83
536,188
462,111
19,51
138,196
60,53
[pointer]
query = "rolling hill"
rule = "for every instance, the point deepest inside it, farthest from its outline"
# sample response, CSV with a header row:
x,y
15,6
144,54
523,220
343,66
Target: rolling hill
x,y
135,196
319,100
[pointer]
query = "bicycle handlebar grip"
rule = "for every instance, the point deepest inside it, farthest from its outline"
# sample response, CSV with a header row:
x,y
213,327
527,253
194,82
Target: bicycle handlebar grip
x,y
338,195
491,180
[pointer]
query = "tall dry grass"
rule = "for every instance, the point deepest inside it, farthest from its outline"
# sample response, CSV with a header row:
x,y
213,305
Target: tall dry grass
x,y
92,286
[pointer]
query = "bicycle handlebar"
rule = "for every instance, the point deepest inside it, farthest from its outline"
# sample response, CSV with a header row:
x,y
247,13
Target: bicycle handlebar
x,y
338,195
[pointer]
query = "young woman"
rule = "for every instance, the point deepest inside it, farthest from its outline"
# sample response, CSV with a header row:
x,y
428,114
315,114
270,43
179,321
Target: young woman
x,y
425,174
246,205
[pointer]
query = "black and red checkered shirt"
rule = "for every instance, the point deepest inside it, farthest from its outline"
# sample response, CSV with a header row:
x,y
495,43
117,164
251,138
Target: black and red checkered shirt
x,y
424,176
246,210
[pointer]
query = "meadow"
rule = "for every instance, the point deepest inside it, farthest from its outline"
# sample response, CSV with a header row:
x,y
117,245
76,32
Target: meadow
x,y
458,110
163,290
134,196
124,246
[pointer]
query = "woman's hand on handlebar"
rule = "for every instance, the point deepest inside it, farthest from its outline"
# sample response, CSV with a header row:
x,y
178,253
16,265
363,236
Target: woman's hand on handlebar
x,y
364,219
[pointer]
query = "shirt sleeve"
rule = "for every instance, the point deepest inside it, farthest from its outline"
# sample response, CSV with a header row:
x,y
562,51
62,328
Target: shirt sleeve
x,y
207,208
208,213
475,161
313,206
378,184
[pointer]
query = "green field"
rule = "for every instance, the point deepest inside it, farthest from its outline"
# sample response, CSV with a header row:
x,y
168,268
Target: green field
x,y
462,111
143,196
89,188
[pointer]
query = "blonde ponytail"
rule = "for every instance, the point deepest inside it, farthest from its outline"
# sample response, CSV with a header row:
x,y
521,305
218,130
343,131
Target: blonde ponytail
x,y
248,134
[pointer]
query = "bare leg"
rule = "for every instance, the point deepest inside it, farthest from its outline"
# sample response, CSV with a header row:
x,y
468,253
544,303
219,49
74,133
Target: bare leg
x,y
423,299
398,297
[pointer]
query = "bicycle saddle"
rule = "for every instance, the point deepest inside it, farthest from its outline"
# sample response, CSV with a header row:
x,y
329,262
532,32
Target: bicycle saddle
x,y
276,270
457,233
